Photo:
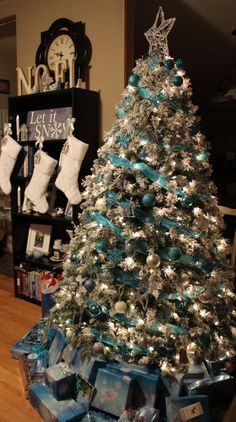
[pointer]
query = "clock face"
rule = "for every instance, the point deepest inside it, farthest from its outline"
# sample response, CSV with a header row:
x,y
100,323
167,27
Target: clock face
x,y
61,48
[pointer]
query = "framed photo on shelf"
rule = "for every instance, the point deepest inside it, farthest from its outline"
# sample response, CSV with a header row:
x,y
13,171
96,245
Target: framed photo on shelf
x,y
4,86
39,238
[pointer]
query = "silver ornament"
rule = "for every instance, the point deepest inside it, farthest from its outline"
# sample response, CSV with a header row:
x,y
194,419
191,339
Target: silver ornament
x,y
120,307
107,178
98,348
153,260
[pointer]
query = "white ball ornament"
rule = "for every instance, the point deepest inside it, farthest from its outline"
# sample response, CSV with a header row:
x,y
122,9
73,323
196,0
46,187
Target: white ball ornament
x,y
98,348
153,260
120,307
101,204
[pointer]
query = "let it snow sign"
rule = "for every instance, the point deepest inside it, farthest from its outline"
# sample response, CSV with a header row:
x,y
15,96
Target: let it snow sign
x,y
50,123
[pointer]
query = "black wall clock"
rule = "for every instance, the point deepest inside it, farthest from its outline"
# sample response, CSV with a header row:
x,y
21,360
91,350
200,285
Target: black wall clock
x,y
63,40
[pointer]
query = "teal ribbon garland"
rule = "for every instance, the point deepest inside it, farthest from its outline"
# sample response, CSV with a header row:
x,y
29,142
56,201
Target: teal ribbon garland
x,y
104,221
123,277
148,171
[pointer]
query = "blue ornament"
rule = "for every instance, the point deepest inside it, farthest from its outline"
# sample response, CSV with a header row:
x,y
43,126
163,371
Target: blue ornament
x,y
169,64
74,258
177,80
101,246
204,339
95,310
203,155
174,253
149,199
133,80
144,93
142,154
194,129
206,266
89,284
179,63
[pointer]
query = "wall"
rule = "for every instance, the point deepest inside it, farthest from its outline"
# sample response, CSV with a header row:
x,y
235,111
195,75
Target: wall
x,y
202,36
104,25
7,71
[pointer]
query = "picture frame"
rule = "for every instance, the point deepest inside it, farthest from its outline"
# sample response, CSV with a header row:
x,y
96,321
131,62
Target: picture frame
x,y
4,86
39,237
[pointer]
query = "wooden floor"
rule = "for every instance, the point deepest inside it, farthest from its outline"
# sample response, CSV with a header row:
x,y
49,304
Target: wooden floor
x,y
16,318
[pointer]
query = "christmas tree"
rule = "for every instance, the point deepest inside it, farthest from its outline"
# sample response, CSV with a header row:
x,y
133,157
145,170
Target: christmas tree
x,y
147,278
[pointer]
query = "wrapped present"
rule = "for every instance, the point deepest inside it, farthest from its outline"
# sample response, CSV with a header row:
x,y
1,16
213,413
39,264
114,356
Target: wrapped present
x,y
181,409
61,381
31,339
47,303
195,373
150,388
52,410
114,391
56,349
61,378
216,367
98,416
87,368
220,391
32,370
145,414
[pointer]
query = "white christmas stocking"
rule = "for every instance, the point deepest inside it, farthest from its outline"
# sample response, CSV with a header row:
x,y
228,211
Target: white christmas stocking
x,y
71,159
9,152
37,187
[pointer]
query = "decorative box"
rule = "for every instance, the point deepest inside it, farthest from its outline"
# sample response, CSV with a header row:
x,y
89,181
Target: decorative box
x,y
219,389
52,410
61,381
30,371
215,367
98,416
145,414
149,389
47,303
87,368
28,341
181,409
56,349
114,391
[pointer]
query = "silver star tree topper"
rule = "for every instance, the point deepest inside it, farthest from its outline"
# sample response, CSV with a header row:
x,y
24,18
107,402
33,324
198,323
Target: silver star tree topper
x,y
157,34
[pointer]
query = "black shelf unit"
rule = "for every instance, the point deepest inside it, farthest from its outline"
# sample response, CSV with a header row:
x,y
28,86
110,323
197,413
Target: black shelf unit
x,y
85,106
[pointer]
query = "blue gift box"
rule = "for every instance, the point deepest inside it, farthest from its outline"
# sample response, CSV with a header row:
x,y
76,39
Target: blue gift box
x,y
150,389
47,303
55,352
52,410
98,416
114,391
61,385
179,409
219,389
31,339
87,368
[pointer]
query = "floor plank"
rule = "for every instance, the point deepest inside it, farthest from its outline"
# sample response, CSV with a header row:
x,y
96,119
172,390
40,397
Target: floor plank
x,y
16,318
